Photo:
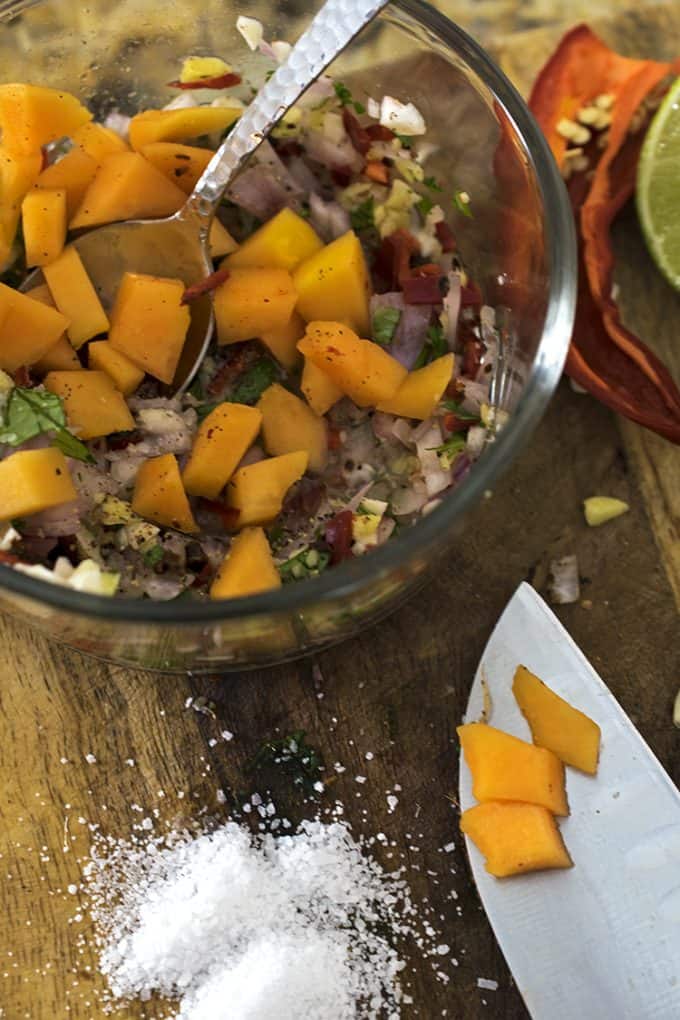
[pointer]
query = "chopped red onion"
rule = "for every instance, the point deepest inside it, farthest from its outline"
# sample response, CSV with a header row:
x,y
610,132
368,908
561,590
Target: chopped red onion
x,y
384,530
329,219
54,522
407,500
563,584
266,187
353,503
476,441
164,588
402,431
184,101
436,478
383,424
304,177
252,456
476,394
411,331
331,153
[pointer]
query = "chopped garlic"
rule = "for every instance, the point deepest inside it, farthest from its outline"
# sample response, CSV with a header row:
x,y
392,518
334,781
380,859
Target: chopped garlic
x,y
365,523
251,29
395,212
116,511
281,50
197,68
600,509
87,577
404,118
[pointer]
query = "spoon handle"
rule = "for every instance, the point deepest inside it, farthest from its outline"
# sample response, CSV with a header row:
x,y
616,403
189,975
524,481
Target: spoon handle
x,y
336,24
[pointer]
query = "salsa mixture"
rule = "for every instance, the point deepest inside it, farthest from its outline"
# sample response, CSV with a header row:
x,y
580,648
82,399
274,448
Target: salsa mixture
x,y
347,387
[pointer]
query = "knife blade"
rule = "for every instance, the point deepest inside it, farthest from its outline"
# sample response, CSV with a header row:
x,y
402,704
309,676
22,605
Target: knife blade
x,y
601,940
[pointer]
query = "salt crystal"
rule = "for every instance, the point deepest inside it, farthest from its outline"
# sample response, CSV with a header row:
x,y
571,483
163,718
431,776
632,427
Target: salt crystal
x,y
72,890
487,984
392,802
360,779
226,735
90,759
449,848
369,756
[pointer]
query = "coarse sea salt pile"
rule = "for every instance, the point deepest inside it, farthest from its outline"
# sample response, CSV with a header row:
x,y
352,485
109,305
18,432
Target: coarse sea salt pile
x,y
241,927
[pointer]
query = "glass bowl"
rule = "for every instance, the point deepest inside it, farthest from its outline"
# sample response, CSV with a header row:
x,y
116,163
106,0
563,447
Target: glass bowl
x,y
519,246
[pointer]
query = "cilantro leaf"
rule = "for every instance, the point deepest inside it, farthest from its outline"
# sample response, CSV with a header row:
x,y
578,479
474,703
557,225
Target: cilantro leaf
x,y
308,563
424,205
252,384
456,408
361,217
385,322
462,204
435,346
32,412
406,141
432,183
153,556
452,446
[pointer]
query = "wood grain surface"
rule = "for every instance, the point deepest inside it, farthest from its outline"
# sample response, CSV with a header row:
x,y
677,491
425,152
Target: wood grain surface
x,y
397,692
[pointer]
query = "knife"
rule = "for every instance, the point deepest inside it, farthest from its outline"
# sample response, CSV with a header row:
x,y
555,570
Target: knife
x,y
601,940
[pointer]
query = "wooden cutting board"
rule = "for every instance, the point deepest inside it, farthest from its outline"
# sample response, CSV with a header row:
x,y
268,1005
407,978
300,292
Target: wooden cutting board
x,y
83,742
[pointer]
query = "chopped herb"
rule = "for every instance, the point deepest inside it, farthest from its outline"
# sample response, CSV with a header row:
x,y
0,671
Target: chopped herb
x,y
252,384
308,563
293,755
304,211
268,75
385,322
406,141
435,346
153,556
432,183
31,413
346,98
461,201
196,389
424,205
456,408
454,445
362,216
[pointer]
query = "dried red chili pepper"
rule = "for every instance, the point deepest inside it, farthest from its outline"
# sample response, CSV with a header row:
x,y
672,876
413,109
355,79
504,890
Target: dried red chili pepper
x,y
220,81
197,290
422,290
379,133
338,535
605,358
358,136
445,236
392,263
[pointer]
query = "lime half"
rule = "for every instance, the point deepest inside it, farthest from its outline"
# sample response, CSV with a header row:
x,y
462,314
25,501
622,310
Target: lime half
x,y
658,187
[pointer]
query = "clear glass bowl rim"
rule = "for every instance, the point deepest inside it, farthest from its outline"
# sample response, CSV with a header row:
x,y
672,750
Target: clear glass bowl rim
x,y
348,578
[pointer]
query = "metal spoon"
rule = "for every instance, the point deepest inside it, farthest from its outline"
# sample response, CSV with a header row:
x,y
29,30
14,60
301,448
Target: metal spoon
x,y
178,246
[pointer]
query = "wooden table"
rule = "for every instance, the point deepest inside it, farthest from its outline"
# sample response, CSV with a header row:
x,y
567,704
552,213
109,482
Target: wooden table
x,y
397,692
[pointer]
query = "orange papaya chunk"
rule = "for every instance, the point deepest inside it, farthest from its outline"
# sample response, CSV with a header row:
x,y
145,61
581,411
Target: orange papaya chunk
x,y
126,187
75,297
98,141
124,375
248,567
257,490
318,389
17,175
93,405
34,480
181,164
149,323
251,302
515,838
28,328
159,495
504,767
285,241
222,440
282,342
43,217
74,173
364,372
289,424
334,284
179,125
60,356
556,724
32,115
421,391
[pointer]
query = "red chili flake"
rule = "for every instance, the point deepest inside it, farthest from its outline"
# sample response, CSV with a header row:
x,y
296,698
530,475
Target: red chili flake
x,y
211,282
229,515
342,176
452,423
334,438
378,172
422,290
358,135
220,81
393,260
338,535
445,236
470,295
22,377
379,133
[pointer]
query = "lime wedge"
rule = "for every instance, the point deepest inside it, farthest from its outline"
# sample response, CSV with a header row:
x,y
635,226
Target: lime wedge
x,y
658,187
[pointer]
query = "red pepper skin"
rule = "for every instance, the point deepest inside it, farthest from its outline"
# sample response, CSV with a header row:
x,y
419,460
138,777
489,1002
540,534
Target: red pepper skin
x,y
422,290
220,81
338,535
445,236
605,357
358,136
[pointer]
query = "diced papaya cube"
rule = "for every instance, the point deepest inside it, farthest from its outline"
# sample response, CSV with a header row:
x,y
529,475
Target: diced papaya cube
x,y
333,284
319,390
124,375
285,241
504,767
34,480
220,443
421,391
60,356
179,125
556,724
74,173
182,164
257,491
18,174
93,405
248,567
32,116
28,329
515,838
283,342
43,216
98,141
75,297
251,302
127,187
220,240
149,323
288,424
364,372
160,497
